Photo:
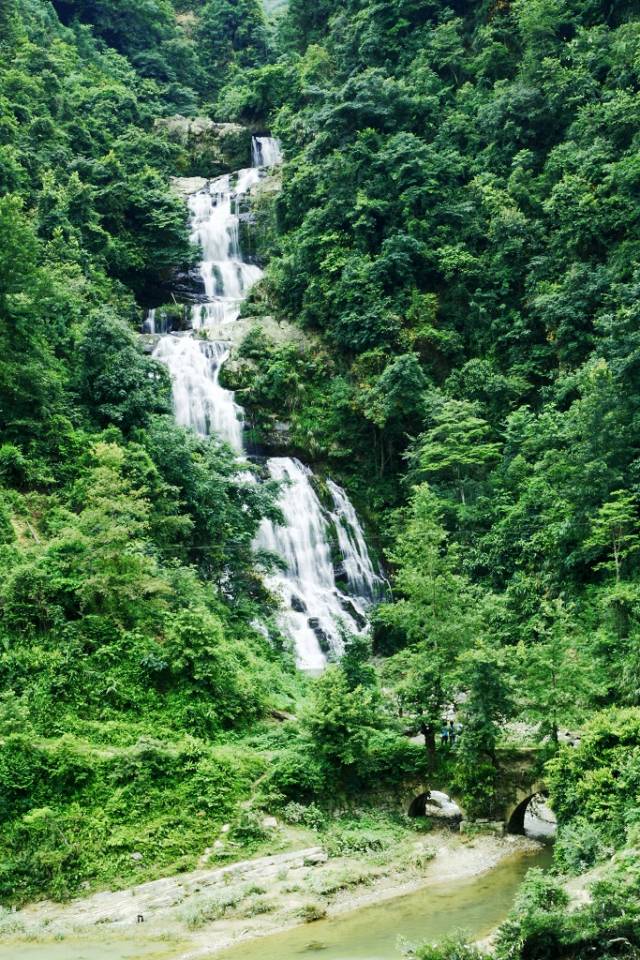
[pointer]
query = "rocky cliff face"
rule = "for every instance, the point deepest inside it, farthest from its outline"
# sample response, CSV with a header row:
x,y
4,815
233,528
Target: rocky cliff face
x,y
209,149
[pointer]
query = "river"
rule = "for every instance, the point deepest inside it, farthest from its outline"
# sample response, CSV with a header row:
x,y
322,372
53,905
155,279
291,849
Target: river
x,y
475,906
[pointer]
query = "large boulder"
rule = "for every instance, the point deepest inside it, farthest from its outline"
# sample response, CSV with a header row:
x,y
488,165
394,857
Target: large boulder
x,y
186,186
209,149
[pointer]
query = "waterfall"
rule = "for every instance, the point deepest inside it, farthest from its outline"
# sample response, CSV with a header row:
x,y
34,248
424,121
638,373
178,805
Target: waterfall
x,y
199,401
315,607
149,325
358,568
266,152
215,226
315,610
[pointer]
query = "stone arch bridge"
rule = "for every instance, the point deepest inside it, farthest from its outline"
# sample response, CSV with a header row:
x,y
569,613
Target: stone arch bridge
x,y
520,781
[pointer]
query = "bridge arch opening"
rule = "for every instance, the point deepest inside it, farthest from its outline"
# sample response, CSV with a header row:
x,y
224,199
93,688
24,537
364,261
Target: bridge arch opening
x,y
533,817
435,804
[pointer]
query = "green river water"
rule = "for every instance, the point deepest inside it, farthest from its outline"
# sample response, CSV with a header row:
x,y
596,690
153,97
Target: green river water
x,y
370,933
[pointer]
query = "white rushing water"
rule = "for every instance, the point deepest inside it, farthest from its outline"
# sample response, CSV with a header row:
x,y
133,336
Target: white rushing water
x,y
216,228
315,610
199,401
358,568
266,152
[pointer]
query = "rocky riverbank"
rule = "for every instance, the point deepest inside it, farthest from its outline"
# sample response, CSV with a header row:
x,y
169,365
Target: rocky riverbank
x,y
207,910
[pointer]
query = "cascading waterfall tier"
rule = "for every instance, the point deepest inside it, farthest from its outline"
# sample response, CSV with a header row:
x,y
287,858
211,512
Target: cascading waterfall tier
x,y
199,401
316,609
358,568
216,228
266,152
317,612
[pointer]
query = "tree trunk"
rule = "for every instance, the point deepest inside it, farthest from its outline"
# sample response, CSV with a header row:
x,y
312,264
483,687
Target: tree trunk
x,y
616,560
428,732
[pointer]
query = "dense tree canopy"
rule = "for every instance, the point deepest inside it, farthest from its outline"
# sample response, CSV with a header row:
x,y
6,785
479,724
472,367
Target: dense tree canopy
x,y
454,231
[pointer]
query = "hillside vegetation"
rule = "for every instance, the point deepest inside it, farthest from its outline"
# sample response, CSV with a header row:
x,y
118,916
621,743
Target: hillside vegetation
x,y
457,226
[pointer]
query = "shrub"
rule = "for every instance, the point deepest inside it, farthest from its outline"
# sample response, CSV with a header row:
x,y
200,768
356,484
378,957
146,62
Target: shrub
x,y
452,949
328,884
212,908
296,775
309,816
248,828
256,906
309,912
366,835
599,780
579,846
423,856
538,915
420,824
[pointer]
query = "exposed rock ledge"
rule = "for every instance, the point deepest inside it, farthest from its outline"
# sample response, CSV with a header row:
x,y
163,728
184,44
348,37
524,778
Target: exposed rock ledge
x,y
185,186
277,331
209,148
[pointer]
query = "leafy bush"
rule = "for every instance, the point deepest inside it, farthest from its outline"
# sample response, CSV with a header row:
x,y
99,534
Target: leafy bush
x,y
366,834
309,816
598,780
208,909
450,949
297,776
248,829
540,926
256,906
537,918
579,846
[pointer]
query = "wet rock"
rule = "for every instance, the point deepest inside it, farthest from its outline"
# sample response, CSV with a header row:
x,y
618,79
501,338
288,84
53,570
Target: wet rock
x,y
349,607
298,604
340,573
324,641
149,342
189,285
167,318
137,857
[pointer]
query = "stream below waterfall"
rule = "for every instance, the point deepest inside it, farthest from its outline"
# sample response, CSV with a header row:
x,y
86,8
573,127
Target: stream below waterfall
x,y
316,610
475,906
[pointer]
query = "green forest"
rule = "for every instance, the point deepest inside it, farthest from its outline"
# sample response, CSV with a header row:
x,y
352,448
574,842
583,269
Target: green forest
x,y
455,232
